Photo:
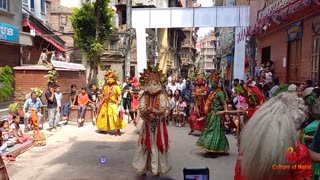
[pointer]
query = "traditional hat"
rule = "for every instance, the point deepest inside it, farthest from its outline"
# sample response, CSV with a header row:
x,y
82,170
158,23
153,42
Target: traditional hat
x,y
307,92
151,74
199,81
292,88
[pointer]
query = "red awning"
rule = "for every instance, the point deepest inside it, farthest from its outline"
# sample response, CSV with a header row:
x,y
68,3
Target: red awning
x,y
39,32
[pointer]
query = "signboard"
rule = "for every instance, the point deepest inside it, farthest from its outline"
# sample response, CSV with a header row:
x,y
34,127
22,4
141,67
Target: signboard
x,y
295,31
65,65
278,5
9,32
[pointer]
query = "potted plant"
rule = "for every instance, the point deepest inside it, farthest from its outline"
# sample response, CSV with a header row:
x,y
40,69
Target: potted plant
x,y
16,108
13,108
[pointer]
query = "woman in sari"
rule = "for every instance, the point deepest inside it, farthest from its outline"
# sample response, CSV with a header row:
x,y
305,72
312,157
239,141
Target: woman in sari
x,y
153,145
213,138
110,114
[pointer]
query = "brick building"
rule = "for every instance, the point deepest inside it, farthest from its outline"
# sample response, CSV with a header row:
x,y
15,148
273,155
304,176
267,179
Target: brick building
x,y
288,33
61,25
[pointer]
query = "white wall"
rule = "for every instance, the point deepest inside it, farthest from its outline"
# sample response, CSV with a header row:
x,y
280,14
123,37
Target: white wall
x,y
71,3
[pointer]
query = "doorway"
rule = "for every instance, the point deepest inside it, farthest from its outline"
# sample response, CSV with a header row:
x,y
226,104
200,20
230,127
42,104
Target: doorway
x,y
266,54
294,60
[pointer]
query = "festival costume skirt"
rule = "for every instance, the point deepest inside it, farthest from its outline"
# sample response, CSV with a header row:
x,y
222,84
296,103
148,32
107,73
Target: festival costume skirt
x,y
152,151
109,118
213,138
196,123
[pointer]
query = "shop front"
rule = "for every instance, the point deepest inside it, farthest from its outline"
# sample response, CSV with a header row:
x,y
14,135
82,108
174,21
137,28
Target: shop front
x,y
288,33
9,45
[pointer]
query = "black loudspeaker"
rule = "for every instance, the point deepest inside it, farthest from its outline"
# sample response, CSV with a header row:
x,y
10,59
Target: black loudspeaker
x,y
196,173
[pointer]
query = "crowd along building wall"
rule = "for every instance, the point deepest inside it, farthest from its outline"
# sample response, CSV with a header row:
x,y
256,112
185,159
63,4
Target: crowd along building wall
x,y
291,40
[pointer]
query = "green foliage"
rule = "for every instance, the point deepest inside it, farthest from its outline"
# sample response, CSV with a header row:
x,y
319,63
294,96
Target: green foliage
x,y
38,91
53,76
15,107
92,24
282,88
6,80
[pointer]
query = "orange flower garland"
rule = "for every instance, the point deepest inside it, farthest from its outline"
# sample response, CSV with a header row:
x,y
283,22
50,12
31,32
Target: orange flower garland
x,y
154,106
210,99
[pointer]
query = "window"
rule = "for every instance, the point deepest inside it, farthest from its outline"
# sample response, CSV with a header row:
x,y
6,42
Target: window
x,y
113,45
63,20
25,4
32,4
43,6
4,4
132,71
315,60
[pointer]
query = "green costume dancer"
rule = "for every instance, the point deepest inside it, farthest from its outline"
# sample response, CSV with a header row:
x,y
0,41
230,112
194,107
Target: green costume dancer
x,y
213,138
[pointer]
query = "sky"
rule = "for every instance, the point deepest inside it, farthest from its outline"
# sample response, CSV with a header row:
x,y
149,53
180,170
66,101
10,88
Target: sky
x,y
204,3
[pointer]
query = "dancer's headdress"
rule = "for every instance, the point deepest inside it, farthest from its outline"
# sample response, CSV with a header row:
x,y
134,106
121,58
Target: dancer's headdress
x,y
110,74
151,74
215,76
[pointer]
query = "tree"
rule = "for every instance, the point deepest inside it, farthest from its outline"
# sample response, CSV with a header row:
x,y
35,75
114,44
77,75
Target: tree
x,y
92,25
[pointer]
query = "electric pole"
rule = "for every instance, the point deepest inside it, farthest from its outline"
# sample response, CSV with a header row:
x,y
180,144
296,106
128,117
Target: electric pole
x,y
128,43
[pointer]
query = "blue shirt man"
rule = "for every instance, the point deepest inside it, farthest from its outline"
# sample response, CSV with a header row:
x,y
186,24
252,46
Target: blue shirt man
x,y
32,103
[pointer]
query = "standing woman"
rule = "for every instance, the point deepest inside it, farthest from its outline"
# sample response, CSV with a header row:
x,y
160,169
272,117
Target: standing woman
x,y
213,138
153,145
109,117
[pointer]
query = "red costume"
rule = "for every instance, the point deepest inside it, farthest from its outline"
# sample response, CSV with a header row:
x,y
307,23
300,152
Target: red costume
x,y
257,94
197,119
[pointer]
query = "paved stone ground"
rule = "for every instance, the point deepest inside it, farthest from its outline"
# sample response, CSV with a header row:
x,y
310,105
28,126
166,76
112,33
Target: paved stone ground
x,y
74,153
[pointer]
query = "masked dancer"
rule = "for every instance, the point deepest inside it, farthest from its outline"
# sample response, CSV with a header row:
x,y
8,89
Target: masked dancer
x,y
110,114
197,118
153,145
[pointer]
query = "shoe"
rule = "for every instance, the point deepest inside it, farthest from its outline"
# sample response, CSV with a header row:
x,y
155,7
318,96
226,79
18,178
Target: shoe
x,y
190,132
79,120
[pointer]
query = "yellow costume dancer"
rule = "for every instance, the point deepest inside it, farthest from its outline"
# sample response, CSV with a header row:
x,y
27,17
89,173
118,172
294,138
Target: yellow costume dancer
x,y
110,114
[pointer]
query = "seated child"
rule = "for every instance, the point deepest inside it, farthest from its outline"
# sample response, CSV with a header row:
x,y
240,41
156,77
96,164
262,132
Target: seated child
x,y
17,131
180,114
7,136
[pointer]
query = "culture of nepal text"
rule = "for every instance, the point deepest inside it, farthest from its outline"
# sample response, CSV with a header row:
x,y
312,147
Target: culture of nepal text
x,y
291,167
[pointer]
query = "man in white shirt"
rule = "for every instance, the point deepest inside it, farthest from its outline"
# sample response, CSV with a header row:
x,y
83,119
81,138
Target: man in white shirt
x,y
173,85
58,96
64,57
